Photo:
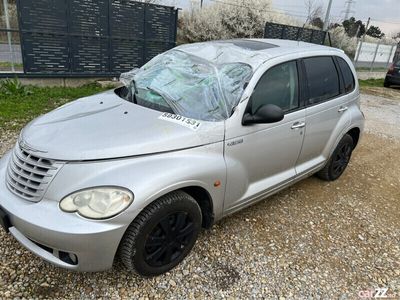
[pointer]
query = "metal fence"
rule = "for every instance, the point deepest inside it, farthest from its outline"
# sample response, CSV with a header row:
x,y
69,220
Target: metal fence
x,y
374,56
281,31
82,38
368,56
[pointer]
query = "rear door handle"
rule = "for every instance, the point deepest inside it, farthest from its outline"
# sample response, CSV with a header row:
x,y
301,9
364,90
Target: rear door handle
x,y
342,109
298,125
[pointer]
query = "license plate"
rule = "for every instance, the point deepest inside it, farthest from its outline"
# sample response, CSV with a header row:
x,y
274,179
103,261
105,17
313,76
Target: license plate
x,y
4,220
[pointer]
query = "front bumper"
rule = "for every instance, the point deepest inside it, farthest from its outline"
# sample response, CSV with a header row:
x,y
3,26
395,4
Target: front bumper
x,y
59,237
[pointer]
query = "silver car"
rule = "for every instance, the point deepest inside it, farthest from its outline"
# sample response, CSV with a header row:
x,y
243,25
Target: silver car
x,y
199,132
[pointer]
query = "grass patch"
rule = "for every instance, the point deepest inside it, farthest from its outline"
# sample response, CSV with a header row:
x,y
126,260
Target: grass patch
x,y
371,83
7,64
19,107
366,69
375,87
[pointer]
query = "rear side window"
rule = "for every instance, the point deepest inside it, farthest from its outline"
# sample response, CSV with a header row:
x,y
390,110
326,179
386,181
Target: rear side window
x,y
348,77
322,78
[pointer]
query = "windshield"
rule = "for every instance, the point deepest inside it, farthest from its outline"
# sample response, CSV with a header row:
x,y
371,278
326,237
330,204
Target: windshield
x,y
187,85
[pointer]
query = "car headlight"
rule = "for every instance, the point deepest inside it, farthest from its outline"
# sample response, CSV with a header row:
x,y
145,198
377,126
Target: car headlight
x,y
97,203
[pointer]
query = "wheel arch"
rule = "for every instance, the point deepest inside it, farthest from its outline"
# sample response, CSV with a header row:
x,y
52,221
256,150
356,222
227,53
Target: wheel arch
x,y
199,193
355,135
195,190
354,132
203,198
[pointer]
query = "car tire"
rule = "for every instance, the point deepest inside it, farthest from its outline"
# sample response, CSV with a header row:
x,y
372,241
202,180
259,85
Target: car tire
x,y
162,235
386,83
339,159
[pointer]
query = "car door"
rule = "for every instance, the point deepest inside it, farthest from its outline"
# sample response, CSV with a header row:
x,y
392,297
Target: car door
x,y
326,108
261,157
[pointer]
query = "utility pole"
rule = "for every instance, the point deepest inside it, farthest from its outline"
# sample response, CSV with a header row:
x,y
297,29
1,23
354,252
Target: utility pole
x,y
348,10
201,3
328,12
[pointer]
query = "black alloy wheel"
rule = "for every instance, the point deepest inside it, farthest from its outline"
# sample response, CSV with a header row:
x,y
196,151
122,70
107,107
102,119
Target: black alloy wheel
x,y
167,241
162,235
339,159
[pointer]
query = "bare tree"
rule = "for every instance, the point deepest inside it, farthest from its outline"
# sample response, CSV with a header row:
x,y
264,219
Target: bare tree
x,y
314,11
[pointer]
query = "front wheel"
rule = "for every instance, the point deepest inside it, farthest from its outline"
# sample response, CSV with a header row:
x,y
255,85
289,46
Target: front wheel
x,y
339,160
162,235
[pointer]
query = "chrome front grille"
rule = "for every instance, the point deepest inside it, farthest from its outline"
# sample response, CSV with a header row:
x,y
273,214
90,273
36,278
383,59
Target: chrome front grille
x,y
29,175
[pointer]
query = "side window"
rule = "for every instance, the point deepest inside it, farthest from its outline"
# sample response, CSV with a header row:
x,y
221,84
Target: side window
x,y
279,86
322,78
348,78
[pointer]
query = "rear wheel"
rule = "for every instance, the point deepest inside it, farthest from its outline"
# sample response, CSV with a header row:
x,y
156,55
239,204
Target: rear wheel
x,y
386,83
339,160
162,235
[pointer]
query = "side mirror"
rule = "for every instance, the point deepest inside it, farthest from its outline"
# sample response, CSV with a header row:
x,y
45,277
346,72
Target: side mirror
x,y
268,113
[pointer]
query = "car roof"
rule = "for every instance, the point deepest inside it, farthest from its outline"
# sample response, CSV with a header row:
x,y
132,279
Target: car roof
x,y
250,51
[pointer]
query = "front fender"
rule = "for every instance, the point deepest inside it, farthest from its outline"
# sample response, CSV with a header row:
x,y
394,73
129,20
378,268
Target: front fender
x,y
148,177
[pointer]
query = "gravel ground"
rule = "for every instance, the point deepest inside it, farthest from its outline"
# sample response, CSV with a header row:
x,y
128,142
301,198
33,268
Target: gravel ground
x,y
312,240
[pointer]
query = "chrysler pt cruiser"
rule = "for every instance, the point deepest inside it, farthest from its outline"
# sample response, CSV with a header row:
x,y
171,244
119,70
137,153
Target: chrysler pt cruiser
x,y
199,132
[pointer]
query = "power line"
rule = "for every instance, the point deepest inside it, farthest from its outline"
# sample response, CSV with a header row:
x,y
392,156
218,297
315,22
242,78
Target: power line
x,y
290,5
265,10
299,5
295,13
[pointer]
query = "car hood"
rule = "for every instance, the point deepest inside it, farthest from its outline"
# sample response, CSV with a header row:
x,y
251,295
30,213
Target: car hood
x,y
105,126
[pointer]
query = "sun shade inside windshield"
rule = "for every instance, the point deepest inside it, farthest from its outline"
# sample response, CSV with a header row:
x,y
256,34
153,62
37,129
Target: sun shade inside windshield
x,y
188,85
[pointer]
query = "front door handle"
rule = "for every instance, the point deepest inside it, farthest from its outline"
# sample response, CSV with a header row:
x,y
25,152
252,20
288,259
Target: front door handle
x,y
298,125
342,109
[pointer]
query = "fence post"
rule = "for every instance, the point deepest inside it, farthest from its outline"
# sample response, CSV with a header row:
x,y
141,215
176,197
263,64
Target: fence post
x,y
5,5
376,52
358,51
390,55
362,41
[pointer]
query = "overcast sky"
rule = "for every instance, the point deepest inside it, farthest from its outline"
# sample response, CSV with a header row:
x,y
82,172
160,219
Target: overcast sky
x,y
384,13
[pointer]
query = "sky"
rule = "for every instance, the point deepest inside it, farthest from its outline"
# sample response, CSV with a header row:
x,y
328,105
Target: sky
x,y
383,13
